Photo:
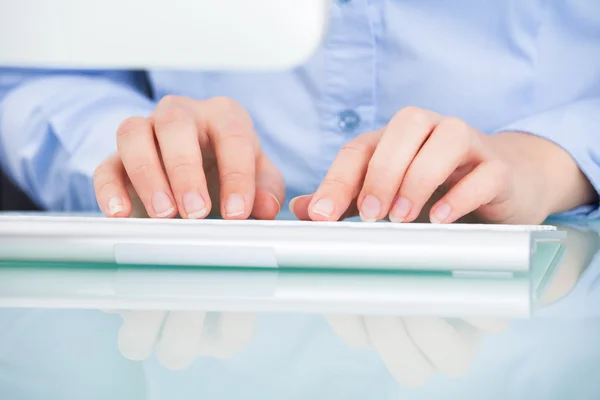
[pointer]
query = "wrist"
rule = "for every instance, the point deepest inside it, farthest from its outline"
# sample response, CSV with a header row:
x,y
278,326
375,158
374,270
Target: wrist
x,y
545,174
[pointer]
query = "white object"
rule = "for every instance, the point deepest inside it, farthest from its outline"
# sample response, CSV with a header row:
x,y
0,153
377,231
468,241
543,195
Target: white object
x,y
183,34
267,290
470,249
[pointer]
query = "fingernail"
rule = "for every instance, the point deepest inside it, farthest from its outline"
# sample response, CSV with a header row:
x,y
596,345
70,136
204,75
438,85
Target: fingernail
x,y
441,213
194,205
115,205
162,204
370,208
293,202
276,201
235,205
400,210
324,207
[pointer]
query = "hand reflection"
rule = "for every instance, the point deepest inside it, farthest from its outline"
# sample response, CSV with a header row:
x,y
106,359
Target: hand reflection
x,y
414,348
180,336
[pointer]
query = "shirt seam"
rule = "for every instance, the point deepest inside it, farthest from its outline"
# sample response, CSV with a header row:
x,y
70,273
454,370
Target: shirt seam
x,y
535,85
374,33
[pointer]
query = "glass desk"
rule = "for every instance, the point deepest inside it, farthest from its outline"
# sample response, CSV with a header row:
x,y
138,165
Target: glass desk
x,y
100,332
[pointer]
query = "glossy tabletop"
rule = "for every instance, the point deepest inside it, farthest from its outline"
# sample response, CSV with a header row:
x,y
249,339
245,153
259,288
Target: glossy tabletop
x,y
102,332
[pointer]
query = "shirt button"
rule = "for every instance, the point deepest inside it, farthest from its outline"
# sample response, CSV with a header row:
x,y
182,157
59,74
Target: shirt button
x,y
349,120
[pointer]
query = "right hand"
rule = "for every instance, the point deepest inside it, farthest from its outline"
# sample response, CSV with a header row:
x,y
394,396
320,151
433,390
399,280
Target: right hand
x,y
192,158
414,348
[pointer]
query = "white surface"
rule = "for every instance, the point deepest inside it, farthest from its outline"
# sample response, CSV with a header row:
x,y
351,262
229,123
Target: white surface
x,y
214,256
347,245
215,34
334,293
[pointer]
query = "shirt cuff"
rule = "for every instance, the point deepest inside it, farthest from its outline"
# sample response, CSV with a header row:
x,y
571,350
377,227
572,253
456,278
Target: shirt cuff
x,y
55,131
572,128
99,143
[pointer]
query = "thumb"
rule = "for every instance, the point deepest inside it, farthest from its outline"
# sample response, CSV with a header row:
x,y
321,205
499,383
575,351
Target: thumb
x,y
270,190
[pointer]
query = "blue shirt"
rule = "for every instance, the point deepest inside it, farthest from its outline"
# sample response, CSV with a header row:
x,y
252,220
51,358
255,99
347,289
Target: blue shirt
x,y
524,65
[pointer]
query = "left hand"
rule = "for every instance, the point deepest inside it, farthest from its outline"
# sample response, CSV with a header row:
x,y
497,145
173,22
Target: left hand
x,y
179,337
393,172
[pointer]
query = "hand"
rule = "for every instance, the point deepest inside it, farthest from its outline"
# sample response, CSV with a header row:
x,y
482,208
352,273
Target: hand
x,y
581,246
393,172
180,336
414,348
190,157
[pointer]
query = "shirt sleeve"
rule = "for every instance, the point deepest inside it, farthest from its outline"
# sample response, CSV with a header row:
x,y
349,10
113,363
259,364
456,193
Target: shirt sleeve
x,y
56,127
573,127
565,87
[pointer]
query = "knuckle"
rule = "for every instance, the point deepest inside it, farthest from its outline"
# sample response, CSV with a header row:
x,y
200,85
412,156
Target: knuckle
x,y
131,125
101,175
421,183
141,170
355,148
222,101
225,103
382,170
170,115
180,164
170,100
413,114
233,114
456,126
235,177
500,169
106,187
105,180
236,138
336,184
335,181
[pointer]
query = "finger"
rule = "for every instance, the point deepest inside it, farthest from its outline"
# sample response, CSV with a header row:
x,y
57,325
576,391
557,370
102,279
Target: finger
x,y
471,336
482,186
448,147
488,325
401,141
177,136
210,335
231,333
270,189
237,330
180,338
299,207
351,329
439,341
137,149
139,333
351,211
397,350
344,179
236,146
137,207
110,185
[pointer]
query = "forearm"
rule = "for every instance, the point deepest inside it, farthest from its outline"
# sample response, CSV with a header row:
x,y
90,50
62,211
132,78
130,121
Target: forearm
x,y
545,174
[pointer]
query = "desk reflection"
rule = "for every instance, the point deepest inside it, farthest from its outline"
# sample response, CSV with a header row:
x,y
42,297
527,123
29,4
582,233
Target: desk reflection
x,y
420,352
415,348
178,337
